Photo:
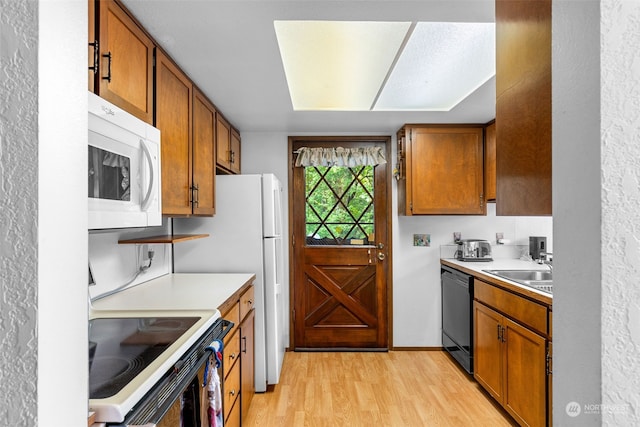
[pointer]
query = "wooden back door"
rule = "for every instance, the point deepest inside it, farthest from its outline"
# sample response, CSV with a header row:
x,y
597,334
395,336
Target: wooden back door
x,y
340,250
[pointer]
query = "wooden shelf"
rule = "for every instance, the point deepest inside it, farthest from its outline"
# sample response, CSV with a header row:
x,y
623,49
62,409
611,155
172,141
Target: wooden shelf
x,y
176,238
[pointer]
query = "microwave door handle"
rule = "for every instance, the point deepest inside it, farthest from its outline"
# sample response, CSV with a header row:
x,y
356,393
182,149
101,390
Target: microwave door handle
x,y
147,198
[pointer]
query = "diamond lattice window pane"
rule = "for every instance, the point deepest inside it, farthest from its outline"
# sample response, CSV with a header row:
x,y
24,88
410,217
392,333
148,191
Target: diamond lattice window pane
x,y
339,204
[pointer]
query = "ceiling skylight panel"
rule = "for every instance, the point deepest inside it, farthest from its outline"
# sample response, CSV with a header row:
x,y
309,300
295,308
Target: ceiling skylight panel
x,y
337,65
441,64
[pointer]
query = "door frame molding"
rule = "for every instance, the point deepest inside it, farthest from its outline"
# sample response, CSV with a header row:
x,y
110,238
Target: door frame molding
x,y
322,141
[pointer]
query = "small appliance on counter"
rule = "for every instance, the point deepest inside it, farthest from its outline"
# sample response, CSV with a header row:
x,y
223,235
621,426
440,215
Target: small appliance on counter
x,y
537,247
473,250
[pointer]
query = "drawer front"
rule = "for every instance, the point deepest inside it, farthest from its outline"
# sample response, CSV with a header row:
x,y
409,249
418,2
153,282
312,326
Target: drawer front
x,y
231,389
233,420
231,354
234,316
246,302
520,309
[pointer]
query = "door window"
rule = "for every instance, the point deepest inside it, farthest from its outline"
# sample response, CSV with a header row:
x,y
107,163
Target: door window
x,y
339,208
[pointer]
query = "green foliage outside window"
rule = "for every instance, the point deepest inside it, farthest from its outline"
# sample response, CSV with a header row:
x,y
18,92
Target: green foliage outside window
x,y
339,205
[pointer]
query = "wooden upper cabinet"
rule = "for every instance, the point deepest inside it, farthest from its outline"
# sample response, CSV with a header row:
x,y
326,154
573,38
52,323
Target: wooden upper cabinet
x,y
490,162
223,131
523,107
125,75
173,118
444,170
235,151
228,145
204,155
92,55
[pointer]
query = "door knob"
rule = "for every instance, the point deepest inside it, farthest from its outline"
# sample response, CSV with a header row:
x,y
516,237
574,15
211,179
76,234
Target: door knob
x,y
381,256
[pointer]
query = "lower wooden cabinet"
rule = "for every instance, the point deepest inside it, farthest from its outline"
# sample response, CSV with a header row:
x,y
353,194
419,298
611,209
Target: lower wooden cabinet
x,y
247,358
237,373
510,362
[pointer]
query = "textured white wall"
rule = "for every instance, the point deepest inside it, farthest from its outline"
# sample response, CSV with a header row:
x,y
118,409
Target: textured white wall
x,y
596,155
416,270
620,130
18,212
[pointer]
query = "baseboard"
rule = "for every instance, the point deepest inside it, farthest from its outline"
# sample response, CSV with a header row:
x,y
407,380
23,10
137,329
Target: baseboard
x,y
417,349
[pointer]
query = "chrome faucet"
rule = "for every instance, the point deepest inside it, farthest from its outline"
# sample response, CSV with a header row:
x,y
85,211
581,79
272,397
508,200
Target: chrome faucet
x,y
544,259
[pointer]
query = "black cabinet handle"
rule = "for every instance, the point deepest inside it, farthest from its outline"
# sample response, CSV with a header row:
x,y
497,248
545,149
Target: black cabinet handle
x,y
109,57
96,56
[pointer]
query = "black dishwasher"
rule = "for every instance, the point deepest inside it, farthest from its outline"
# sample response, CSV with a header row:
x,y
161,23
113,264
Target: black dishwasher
x,y
457,316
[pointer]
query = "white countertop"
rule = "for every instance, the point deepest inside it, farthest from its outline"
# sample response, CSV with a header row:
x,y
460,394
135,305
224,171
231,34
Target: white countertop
x,y
503,264
179,291
180,295
499,264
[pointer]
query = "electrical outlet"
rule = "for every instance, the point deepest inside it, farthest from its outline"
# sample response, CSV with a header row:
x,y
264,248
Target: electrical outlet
x,y
145,252
421,240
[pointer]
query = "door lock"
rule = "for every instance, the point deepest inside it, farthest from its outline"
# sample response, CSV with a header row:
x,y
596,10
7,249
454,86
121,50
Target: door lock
x,y
381,256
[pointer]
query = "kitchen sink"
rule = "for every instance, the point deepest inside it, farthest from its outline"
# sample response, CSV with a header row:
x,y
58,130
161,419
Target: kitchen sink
x,y
541,280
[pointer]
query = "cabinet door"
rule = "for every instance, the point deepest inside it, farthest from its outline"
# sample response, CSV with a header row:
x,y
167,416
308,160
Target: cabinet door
x,y
490,162
523,107
173,118
401,173
230,391
92,39
247,359
223,130
488,349
446,170
550,382
126,62
204,156
525,393
234,157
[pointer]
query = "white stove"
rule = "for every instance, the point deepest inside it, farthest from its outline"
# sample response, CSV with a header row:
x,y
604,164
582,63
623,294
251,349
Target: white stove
x,y
143,355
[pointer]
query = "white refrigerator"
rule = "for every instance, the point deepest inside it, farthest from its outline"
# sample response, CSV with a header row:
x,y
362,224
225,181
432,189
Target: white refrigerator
x,y
245,236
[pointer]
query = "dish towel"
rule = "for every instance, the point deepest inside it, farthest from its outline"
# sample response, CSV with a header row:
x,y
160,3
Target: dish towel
x,y
211,388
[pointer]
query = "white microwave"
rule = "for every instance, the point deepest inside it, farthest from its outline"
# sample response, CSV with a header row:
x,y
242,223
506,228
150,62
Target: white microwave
x,y
124,168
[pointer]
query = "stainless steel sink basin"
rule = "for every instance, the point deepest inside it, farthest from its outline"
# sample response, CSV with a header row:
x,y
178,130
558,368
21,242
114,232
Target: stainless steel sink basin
x,y
522,274
541,280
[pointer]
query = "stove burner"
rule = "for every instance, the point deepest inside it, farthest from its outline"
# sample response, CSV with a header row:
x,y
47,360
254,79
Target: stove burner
x,y
112,368
121,348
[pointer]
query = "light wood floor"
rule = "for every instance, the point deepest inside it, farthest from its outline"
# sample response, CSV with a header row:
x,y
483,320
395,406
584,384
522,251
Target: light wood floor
x,y
398,388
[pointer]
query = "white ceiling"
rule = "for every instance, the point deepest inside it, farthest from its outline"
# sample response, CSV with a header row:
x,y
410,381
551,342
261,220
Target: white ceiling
x,y
229,49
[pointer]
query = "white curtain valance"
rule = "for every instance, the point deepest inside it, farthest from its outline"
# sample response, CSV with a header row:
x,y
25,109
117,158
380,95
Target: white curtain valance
x,y
340,156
